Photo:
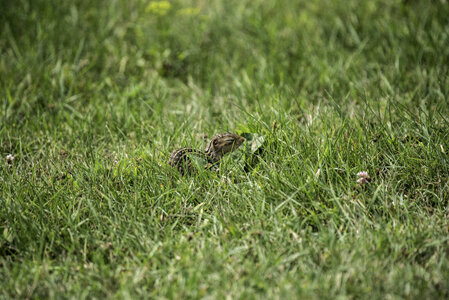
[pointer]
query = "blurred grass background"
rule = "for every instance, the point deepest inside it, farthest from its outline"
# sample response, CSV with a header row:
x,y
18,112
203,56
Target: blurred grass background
x,y
96,94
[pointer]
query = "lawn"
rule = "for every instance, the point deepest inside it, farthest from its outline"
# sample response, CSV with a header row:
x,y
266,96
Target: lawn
x,y
95,95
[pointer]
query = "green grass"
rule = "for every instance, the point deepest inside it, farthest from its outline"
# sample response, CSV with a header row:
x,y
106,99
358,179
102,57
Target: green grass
x,y
94,95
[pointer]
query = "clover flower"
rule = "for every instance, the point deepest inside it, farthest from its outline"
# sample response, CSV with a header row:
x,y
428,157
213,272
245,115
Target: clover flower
x,y
363,174
10,158
363,177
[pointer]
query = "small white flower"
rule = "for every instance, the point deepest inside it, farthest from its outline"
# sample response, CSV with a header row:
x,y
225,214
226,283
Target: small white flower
x,y
363,174
363,177
362,180
10,158
318,172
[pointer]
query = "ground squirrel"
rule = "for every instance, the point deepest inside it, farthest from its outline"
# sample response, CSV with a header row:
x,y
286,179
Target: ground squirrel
x,y
218,146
